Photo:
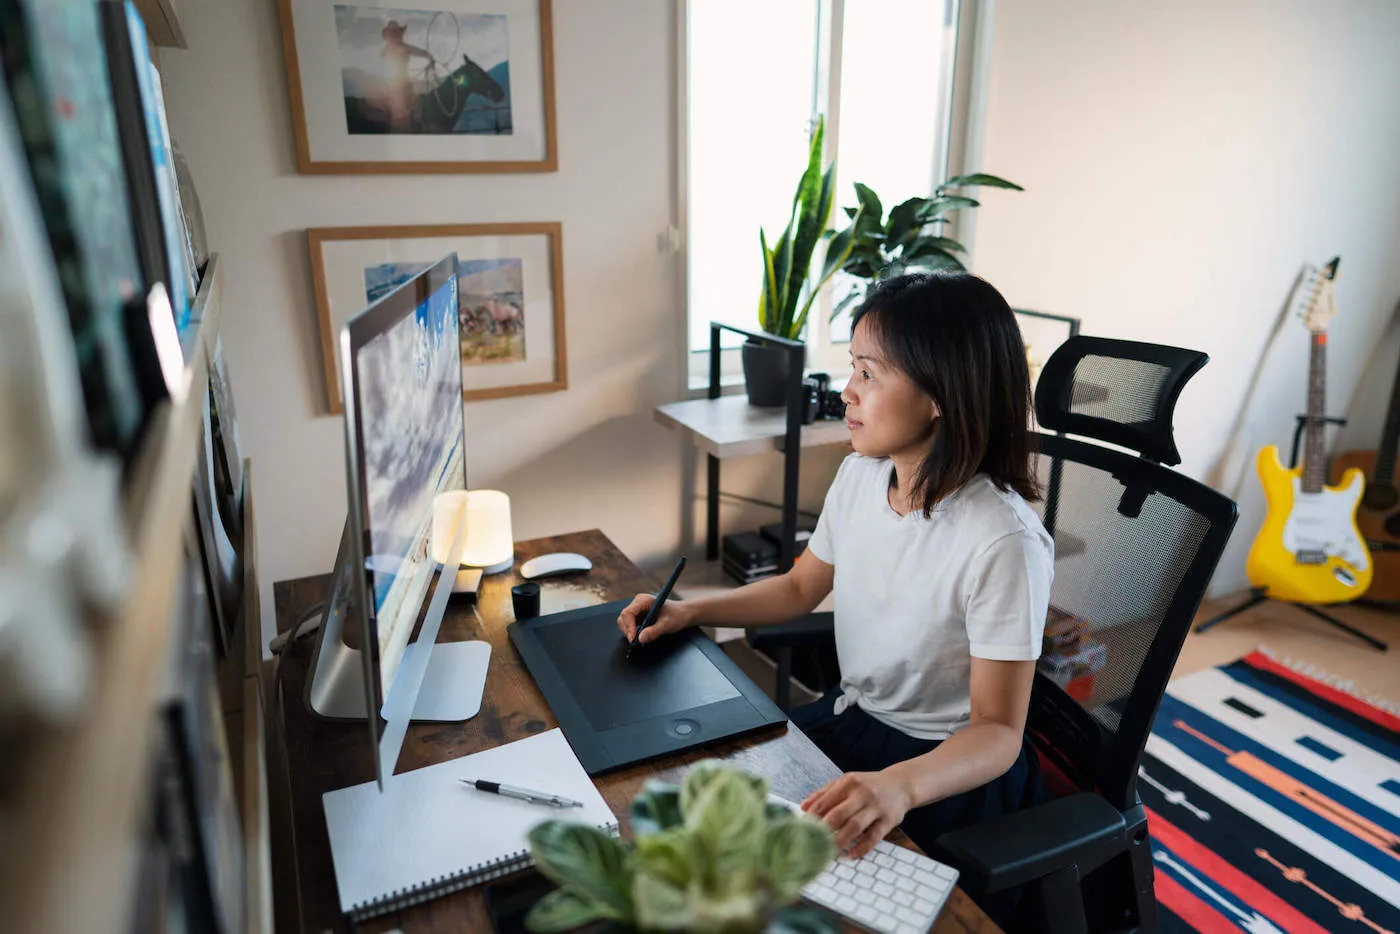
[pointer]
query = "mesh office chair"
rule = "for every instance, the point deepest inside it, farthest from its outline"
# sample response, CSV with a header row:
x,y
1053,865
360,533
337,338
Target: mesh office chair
x,y
1136,544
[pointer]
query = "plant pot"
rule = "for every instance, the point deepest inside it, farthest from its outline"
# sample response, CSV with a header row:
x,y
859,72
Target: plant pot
x,y
766,372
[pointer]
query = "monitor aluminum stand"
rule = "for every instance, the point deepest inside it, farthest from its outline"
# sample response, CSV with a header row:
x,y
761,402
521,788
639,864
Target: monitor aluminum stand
x,y
448,687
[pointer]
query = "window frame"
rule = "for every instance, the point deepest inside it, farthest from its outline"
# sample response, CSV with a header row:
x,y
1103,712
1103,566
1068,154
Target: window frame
x,y
967,29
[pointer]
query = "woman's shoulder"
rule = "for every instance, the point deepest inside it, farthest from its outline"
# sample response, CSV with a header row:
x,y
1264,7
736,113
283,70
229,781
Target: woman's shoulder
x,y
854,477
995,512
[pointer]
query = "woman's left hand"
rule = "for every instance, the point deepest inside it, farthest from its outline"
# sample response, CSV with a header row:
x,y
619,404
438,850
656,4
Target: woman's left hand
x,y
860,808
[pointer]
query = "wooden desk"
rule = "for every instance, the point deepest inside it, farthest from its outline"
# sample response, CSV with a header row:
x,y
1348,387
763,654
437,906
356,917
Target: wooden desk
x,y
322,756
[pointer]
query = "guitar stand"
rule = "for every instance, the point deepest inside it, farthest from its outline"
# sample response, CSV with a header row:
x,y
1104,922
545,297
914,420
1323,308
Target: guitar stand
x,y
1258,595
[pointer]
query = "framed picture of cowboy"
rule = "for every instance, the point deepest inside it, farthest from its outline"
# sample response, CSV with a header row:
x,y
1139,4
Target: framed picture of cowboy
x,y
510,297
421,85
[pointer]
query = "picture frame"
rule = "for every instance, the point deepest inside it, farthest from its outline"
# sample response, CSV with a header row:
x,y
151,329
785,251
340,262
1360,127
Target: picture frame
x,y
511,297
374,89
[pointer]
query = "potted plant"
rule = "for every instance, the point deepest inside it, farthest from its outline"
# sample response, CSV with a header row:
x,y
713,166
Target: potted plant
x,y
787,290
911,239
710,855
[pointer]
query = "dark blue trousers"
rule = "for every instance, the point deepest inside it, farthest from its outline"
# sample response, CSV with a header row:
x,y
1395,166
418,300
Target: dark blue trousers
x,y
857,742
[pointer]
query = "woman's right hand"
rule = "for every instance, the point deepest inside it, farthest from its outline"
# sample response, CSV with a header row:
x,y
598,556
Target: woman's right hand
x,y
674,616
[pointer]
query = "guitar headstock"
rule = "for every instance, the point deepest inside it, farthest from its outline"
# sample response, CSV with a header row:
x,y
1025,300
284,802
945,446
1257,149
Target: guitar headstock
x,y
1313,297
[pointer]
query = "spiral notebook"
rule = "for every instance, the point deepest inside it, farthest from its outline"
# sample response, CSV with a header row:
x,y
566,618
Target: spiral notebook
x,y
427,834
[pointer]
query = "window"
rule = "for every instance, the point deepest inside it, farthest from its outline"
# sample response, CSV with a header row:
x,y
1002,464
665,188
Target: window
x,y
757,77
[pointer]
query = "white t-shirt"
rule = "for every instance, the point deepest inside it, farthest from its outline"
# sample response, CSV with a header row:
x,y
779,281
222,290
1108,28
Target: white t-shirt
x,y
917,599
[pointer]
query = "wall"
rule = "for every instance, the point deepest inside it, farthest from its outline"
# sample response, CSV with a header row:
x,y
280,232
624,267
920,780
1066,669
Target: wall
x,y
588,457
1181,162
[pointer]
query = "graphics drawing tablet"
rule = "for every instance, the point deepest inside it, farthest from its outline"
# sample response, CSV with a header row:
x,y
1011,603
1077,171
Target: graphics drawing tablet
x,y
676,693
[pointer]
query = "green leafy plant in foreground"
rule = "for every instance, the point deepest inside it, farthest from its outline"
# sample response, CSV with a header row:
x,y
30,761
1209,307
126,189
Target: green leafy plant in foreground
x,y
710,855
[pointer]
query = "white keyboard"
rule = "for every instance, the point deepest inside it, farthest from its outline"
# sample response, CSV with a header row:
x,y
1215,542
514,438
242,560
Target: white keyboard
x,y
889,890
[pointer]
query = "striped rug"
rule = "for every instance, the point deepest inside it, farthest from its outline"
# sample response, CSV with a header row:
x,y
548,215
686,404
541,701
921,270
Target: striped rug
x,y
1274,804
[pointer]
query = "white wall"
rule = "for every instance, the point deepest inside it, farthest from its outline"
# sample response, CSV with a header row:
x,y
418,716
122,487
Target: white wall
x,y
1366,413
588,457
1181,161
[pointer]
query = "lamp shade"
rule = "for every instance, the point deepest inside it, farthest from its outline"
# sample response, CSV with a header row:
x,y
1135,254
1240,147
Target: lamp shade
x,y
490,543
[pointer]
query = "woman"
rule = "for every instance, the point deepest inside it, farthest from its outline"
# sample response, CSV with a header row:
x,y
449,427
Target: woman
x,y
940,571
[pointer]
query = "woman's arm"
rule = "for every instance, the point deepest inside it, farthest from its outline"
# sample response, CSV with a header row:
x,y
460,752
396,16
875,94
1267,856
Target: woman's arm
x,y
987,746
768,602
862,807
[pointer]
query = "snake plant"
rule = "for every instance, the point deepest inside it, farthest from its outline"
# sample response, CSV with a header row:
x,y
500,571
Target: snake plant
x,y
787,263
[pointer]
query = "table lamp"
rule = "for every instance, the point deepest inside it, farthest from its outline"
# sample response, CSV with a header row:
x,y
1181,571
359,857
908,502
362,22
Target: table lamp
x,y
490,544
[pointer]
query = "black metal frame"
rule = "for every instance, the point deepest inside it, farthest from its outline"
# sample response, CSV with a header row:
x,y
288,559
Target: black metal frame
x,y
1053,485
792,444
1047,316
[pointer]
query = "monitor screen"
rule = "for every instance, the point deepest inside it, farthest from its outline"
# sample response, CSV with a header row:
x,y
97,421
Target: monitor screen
x,y
408,410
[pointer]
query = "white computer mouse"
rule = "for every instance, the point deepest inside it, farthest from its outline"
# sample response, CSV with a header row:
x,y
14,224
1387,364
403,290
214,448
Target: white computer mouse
x,y
561,562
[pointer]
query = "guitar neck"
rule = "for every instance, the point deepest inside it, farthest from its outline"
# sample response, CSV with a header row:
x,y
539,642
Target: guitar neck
x,y
1315,451
1390,437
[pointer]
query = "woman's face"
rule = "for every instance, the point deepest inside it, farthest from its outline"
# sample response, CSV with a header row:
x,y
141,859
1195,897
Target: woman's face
x,y
888,415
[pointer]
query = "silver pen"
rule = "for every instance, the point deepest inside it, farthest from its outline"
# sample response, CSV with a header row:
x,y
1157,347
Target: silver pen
x,y
524,794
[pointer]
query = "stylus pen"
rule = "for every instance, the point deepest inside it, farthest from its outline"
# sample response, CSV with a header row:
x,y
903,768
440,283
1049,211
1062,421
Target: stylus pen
x,y
524,794
661,597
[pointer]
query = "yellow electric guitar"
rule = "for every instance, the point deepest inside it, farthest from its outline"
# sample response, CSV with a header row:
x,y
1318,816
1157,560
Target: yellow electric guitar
x,y
1309,549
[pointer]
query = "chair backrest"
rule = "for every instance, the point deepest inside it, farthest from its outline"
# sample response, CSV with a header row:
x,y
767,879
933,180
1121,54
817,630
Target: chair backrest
x,y
1136,544
1122,392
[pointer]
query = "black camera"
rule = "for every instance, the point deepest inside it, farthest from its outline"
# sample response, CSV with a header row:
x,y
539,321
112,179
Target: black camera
x,y
819,400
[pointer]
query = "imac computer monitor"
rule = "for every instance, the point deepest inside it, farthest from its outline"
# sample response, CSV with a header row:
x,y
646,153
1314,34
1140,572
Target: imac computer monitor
x,y
401,373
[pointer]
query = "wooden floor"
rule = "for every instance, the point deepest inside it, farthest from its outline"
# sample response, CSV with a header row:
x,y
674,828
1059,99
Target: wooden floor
x,y
1290,632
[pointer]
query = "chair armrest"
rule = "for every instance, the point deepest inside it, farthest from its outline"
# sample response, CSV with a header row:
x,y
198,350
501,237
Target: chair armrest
x,y
808,630
1082,829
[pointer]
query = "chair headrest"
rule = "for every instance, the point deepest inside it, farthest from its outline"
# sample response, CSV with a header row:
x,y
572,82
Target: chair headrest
x,y
1121,392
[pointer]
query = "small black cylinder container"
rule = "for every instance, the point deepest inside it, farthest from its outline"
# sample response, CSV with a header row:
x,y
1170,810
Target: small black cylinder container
x,y
525,598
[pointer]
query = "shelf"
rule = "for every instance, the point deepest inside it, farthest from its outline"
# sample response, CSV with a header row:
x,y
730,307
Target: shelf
x,y
78,793
256,827
162,23
730,427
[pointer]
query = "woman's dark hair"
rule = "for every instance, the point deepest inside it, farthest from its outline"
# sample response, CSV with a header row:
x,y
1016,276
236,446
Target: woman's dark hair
x,y
956,338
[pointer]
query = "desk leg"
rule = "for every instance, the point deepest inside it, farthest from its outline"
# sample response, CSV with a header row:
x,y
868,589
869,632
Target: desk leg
x,y
711,507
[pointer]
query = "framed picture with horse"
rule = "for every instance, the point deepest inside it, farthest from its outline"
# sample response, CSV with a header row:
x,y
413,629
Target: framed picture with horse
x,y
510,297
447,86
